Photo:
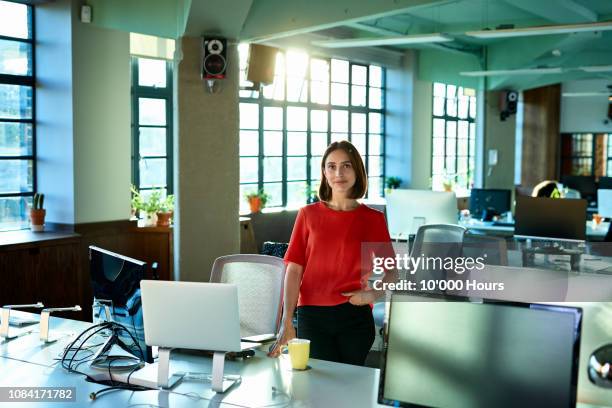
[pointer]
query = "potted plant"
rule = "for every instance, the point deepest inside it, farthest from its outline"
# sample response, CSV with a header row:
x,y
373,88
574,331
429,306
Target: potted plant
x,y
37,213
257,200
448,183
165,211
150,207
137,202
392,183
312,195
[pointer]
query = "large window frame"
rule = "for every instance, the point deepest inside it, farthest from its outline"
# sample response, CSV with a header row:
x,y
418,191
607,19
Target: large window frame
x,y
278,98
586,154
22,80
152,92
447,148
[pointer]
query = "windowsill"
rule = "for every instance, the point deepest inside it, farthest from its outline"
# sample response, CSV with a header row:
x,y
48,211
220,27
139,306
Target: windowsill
x,y
374,201
276,210
22,237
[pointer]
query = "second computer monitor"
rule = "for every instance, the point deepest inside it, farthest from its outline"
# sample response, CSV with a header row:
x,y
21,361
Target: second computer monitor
x,y
488,201
556,218
604,203
407,210
585,184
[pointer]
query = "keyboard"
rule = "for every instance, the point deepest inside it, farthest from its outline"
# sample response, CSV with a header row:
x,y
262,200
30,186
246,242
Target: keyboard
x,y
503,224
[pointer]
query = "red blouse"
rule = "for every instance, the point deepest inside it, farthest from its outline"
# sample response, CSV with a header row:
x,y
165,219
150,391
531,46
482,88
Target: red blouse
x,y
328,244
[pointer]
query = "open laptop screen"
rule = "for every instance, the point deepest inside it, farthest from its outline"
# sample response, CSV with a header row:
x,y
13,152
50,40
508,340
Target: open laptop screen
x,y
461,354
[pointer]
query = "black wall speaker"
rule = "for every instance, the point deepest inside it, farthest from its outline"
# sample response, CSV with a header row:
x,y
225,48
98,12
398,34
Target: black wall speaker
x,y
508,102
214,58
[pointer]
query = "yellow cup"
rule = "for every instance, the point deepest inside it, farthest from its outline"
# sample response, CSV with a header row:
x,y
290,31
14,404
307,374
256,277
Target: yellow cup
x,y
299,352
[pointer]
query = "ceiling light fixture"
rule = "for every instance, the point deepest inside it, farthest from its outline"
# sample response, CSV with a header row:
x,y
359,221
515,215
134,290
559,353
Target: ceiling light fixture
x,y
541,30
377,41
510,72
597,68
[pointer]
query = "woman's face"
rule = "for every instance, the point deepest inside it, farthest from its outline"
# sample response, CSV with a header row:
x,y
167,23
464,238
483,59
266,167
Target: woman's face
x,y
339,172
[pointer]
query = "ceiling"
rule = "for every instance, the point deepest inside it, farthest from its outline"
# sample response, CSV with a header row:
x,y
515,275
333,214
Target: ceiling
x,y
366,20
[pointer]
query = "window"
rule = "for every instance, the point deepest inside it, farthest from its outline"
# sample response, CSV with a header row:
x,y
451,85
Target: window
x,y
285,128
17,121
453,136
586,154
152,125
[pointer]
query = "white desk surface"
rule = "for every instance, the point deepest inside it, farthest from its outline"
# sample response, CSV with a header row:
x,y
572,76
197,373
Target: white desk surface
x,y
23,362
598,232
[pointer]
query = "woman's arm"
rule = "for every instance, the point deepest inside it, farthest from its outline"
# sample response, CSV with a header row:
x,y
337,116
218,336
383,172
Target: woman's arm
x,y
293,279
369,295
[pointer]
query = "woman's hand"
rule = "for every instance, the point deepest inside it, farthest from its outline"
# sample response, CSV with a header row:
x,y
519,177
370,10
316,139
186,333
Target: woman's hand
x,y
286,333
362,297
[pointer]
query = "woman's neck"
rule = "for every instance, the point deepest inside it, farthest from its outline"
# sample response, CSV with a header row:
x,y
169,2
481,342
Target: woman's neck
x,y
342,203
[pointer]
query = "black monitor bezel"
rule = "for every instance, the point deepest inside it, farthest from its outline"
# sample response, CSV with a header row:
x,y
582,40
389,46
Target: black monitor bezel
x,y
522,213
475,191
383,361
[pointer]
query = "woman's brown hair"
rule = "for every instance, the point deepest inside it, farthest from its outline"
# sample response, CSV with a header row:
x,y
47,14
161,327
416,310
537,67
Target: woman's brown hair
x,y
361,179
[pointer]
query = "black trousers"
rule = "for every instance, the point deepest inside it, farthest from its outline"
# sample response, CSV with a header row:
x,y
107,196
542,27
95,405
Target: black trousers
x,y
343,333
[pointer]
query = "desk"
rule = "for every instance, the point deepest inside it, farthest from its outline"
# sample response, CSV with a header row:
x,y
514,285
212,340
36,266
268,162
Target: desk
x,y
592,233
325,385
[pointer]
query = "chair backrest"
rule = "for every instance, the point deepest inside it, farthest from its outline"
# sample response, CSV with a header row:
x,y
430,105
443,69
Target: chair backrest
x,y
438,234
437,241
260,281
476,245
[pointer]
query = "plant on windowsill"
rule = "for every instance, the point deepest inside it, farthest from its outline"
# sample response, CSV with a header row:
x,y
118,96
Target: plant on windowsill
x,y
312,195
37,213
392,183
165,211
257,200
137,203
147,208
449,181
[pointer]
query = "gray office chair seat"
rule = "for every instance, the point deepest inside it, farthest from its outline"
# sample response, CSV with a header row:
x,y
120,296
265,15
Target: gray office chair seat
x,y
260,280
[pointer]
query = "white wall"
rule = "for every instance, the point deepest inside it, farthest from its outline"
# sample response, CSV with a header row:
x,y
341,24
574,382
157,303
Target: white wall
x,y
54,114
398,119
102,124
588,113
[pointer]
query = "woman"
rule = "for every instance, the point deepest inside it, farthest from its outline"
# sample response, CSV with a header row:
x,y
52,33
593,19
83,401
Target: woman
x,y
324,275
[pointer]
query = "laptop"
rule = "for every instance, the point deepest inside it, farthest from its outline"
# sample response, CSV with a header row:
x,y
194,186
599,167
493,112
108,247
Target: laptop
x,y
192,315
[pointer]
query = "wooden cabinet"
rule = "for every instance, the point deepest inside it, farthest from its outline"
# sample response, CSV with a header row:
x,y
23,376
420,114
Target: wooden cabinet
x,y
53,267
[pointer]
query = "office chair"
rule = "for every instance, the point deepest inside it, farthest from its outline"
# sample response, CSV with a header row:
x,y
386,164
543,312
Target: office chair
x,y
260,280
435,241
545,188
476,245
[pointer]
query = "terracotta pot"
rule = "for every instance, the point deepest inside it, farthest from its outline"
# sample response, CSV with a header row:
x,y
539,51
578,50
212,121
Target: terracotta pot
x,y
37,218
163,219
255,204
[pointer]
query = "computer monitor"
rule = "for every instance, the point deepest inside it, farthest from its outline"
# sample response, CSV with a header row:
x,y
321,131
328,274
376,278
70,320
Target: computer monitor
x,y
604,202
116,278
407,210
605,183
489,201
495,354
550,218
585,184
